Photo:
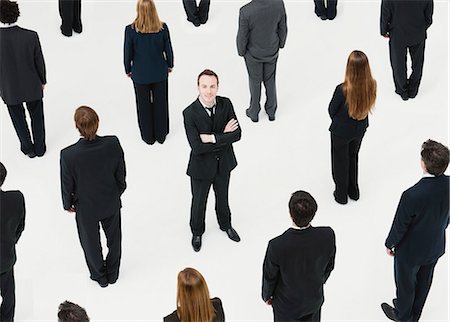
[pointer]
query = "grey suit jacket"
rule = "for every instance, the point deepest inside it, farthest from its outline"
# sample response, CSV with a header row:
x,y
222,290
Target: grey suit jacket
x,y
262,29
22,68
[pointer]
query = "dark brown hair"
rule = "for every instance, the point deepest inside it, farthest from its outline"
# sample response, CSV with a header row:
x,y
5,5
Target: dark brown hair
x,y
207,72
3,173
9,11
71,312
435,156
86,120
302,208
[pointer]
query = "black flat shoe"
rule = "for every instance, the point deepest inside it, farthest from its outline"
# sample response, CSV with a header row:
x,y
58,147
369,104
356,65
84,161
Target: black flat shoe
x,y
233,235
196,243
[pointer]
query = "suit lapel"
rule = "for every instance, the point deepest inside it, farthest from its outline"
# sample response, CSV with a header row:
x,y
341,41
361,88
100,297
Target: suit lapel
x,y
200,110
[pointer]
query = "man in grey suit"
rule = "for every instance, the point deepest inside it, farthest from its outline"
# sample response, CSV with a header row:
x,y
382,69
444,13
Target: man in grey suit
x,y
22,78
262,32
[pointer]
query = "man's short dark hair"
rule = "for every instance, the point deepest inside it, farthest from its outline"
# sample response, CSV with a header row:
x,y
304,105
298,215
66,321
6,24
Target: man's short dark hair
x,y
302,208
207,72
71,312
9,11
3,173
435,156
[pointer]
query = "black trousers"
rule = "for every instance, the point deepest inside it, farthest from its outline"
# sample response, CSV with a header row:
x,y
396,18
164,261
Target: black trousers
x,y
89,234
197,14
312,317
70,12
262,72
344,165
413,284
8,288
398,52
18,118
153,111
200,191
328,11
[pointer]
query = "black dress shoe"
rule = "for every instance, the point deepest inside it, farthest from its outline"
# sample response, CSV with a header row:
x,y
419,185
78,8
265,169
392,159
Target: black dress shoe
x,y
405,96
323,17
103,282
233,235
78,29
31,155
271,118
196,243
342,202
66,33
112,279
248,114
389,311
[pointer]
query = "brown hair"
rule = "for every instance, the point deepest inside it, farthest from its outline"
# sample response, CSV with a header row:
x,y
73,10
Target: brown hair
x,y
207,72
435,156
193,302
147,20
359,88
71,312
86,120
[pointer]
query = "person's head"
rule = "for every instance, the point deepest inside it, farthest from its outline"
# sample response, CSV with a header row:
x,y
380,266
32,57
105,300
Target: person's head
x,y
359,87
3,173
147,19
193,301
302,208
435,157
9,11
86,121
71,312
208,85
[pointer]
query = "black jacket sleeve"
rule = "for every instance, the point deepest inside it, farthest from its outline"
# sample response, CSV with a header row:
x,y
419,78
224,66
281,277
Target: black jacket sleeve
x,y
402,220
39,61
121,171
386,16
67,184
21,226
271,273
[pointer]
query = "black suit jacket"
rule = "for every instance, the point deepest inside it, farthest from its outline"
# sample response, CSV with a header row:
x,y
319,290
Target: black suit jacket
x,y
22,68
406,21
93,177
217,303
204,156
12,223
296,266
418,230
147,56
341,123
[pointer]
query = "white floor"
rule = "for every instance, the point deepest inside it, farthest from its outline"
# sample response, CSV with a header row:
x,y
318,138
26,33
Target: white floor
x,y
275,159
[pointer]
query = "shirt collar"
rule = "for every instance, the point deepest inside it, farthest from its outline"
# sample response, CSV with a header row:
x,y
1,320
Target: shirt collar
x,y
428,175
206,106
7,25
300,228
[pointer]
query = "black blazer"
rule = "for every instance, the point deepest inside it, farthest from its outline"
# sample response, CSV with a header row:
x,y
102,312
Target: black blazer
x,y
341,123
296,266
93,177
22,68
418,230
204,156
12,223
148,55
406,21
217,303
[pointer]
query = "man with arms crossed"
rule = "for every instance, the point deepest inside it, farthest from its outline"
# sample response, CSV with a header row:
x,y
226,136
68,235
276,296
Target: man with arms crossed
x,y
211,128
298,263
417,236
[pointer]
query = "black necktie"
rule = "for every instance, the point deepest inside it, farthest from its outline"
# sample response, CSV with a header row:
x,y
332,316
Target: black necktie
x,y
211,113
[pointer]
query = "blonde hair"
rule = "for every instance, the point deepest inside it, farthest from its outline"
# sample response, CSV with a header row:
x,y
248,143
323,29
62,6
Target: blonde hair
x,y
86,120
359,88
193,302
147,20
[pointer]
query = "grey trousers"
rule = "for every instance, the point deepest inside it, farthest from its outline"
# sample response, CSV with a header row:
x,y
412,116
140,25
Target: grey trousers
x,y
261,72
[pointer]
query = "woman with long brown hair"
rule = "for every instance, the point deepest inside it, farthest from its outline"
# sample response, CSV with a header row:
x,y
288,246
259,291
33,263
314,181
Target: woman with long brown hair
x,y
193,302
148,59
349,109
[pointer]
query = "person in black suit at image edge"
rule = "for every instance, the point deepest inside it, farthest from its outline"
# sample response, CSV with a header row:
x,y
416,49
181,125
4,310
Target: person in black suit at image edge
x,y
12,224
198,15
148,59
92,182
22,79
298,263
417,236
349,109
211,128
405,23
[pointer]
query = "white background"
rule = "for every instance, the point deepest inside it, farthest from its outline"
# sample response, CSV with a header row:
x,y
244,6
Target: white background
x,y
275,159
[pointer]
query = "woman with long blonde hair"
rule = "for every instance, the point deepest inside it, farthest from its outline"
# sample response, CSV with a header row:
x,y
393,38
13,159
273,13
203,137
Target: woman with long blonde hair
x,y
349,108
148,59
193,301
